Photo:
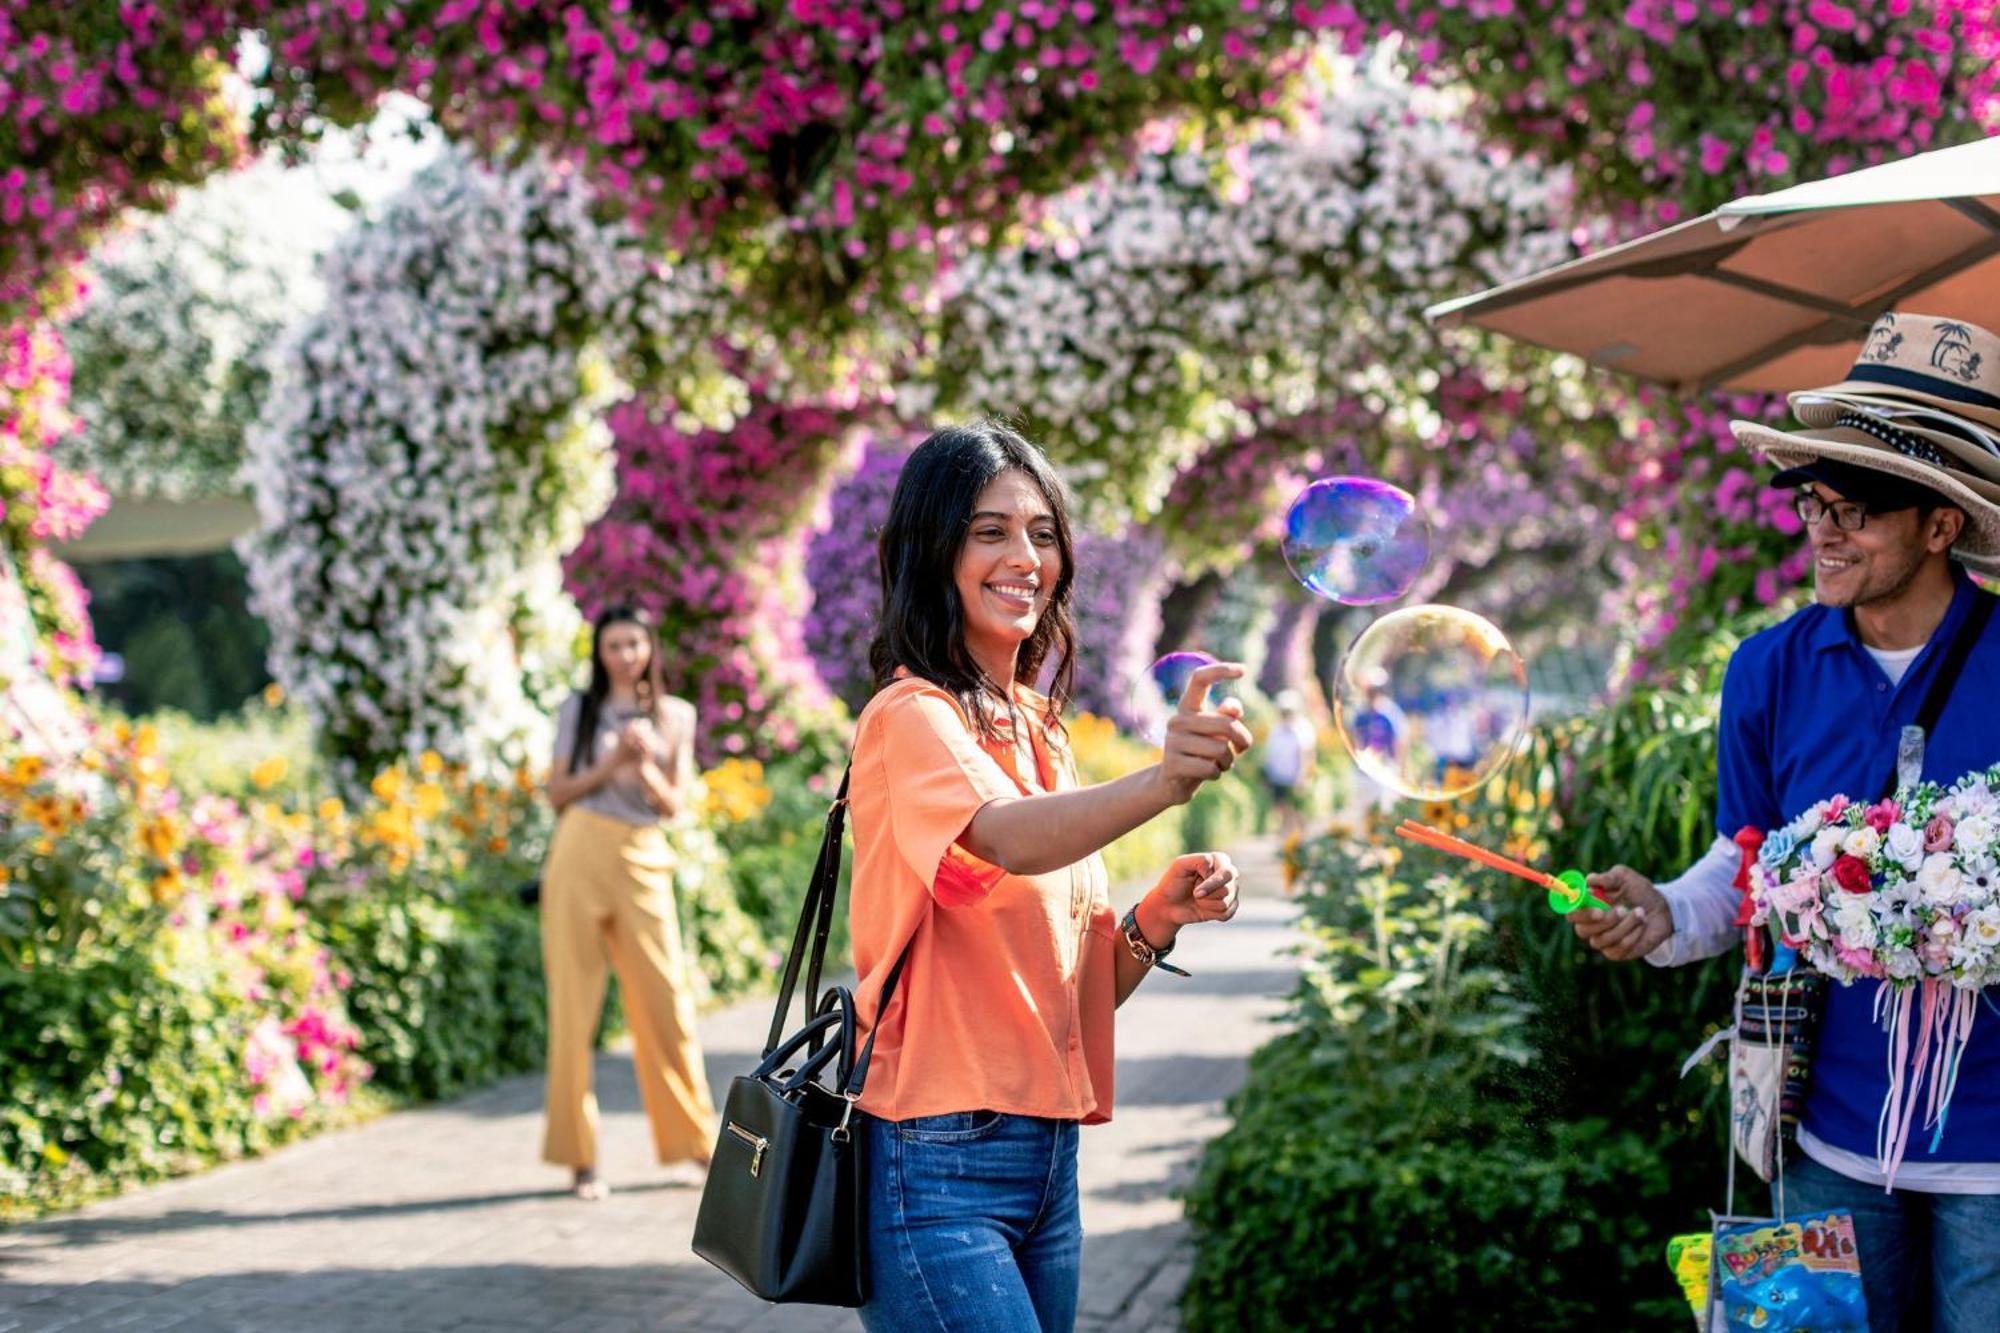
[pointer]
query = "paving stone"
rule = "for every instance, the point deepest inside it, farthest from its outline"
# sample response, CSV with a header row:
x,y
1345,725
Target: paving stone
x,y
441,1220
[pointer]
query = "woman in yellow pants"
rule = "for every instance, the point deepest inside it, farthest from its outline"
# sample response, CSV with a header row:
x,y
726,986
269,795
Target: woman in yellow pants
x,y
624,762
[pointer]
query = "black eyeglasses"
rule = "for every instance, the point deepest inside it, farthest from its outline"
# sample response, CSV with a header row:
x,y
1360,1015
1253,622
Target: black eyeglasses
x,y
1847,515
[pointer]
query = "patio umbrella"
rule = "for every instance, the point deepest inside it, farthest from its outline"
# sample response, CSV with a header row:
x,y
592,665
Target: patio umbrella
x,y
1771,292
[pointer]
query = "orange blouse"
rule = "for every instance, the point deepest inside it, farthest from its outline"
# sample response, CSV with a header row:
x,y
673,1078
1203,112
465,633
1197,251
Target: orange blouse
x,y
1008,998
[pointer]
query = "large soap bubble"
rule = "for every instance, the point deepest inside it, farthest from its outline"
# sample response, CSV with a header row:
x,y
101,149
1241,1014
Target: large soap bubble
x,y
1356,541
1156,696
1431,701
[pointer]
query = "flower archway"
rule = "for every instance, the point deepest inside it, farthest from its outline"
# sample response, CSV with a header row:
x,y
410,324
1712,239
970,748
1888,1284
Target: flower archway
x,y
822,160
434,446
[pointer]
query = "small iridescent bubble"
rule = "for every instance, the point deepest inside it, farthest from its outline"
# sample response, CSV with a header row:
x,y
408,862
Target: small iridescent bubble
x,y
1157,694
1356,540
1431,701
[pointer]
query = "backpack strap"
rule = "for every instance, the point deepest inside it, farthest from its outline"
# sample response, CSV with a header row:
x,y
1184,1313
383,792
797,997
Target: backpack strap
x,y
1969,631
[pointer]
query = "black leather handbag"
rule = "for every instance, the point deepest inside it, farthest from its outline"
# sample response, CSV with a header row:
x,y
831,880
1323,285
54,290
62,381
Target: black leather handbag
x,y
784,1209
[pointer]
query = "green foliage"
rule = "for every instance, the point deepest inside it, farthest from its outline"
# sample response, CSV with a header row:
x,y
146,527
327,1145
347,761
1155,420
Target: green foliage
x,y
773,843
184,628
1474,1122
447,994
121,1068
1224,812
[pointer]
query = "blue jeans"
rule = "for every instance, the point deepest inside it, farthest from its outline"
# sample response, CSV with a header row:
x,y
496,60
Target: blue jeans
x,y
973,1224
1928,1261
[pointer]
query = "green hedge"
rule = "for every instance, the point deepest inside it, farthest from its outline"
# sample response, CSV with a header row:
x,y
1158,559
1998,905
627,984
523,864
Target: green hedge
x,y
1491,1134
447,994
120,1070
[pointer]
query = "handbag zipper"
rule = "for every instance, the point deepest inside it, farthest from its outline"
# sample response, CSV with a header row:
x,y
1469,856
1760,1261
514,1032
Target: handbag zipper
x,y
757,1143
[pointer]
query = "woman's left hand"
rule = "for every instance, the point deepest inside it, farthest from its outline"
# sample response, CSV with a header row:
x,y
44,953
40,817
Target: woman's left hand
x,y
1201,886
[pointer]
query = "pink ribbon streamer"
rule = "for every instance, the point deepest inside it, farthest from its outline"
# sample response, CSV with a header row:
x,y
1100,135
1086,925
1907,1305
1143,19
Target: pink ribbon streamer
x,y
1942,1029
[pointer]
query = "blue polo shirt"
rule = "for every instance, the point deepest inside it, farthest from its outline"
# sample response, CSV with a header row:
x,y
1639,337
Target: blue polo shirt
x,y
1807,713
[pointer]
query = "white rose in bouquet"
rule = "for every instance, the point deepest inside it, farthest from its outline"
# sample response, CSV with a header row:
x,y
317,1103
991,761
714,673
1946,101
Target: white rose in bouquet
x,y
1975,834
1973,797
1940,880
1905,846
1982,928
1861,842
1903,965
1855,920
1807,824
1826,846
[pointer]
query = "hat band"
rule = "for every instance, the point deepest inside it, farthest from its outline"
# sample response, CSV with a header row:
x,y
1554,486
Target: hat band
x,y
1921,383
1900,440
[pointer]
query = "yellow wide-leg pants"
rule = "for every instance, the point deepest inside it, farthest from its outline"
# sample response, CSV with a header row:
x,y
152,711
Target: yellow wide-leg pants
x,y
607,897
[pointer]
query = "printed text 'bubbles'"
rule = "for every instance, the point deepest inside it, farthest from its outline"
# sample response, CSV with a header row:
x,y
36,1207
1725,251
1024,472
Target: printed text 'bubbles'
x,y
1431,701
1157,694
1356,540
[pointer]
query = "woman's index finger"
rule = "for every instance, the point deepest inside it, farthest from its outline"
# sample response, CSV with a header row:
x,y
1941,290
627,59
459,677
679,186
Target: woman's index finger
x,y
1195,697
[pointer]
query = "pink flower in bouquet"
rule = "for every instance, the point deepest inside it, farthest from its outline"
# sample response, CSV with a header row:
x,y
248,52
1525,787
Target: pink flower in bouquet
x,y
1806,918
1795,895
1880,817
1851,874
1937,835
1861,960
1836,807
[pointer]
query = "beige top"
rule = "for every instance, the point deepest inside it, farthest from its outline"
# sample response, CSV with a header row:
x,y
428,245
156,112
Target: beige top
x,y
623,796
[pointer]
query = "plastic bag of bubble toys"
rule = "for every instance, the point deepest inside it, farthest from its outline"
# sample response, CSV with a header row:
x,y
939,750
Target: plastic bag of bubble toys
x,y
1800,1274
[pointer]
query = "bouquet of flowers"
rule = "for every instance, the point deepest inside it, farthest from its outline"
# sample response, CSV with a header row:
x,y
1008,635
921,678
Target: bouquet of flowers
x,y
1905,891
1902,890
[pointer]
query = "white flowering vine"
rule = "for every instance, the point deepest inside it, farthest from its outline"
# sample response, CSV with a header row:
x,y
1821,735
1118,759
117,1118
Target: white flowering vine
x,y
433,446
1197,295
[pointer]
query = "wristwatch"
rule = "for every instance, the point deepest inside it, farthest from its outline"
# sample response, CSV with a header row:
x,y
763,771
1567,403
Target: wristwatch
x,y
1147,955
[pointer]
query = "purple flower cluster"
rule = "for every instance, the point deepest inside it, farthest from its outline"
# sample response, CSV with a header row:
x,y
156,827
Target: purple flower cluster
x,y
1120,582
841,569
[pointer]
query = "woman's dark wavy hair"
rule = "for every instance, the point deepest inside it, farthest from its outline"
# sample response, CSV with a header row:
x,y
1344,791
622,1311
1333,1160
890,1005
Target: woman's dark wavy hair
x,y
923,621
652,685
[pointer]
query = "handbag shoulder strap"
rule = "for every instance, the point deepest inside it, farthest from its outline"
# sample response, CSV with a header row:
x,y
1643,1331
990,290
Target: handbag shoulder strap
x,y
815,917
809,941
860,1073
1969,631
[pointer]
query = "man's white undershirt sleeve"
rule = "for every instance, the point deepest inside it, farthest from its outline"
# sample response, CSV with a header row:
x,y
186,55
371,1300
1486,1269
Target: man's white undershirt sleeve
x,y
1704,902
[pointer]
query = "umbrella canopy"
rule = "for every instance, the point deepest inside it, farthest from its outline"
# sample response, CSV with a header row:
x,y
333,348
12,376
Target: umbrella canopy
x,y
1774,291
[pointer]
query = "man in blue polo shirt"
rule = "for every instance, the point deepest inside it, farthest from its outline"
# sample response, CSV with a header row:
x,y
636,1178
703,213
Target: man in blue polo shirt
x,y
1898,484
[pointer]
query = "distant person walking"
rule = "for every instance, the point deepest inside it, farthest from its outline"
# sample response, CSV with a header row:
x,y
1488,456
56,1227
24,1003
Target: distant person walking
x,y
1288,762
1379,728
624,762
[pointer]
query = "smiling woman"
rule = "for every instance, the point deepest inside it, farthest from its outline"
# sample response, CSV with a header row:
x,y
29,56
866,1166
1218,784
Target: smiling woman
x,y
1007,569
979,887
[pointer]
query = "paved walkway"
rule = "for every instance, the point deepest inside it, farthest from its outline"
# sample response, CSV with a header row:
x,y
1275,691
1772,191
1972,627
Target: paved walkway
x,y
442,1219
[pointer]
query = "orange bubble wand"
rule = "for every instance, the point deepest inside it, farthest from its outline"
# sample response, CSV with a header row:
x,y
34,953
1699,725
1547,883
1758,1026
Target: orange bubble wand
x,y
1567,891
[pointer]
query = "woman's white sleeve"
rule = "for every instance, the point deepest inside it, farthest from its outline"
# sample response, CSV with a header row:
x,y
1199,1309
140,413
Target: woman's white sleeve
x,y
1704,902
